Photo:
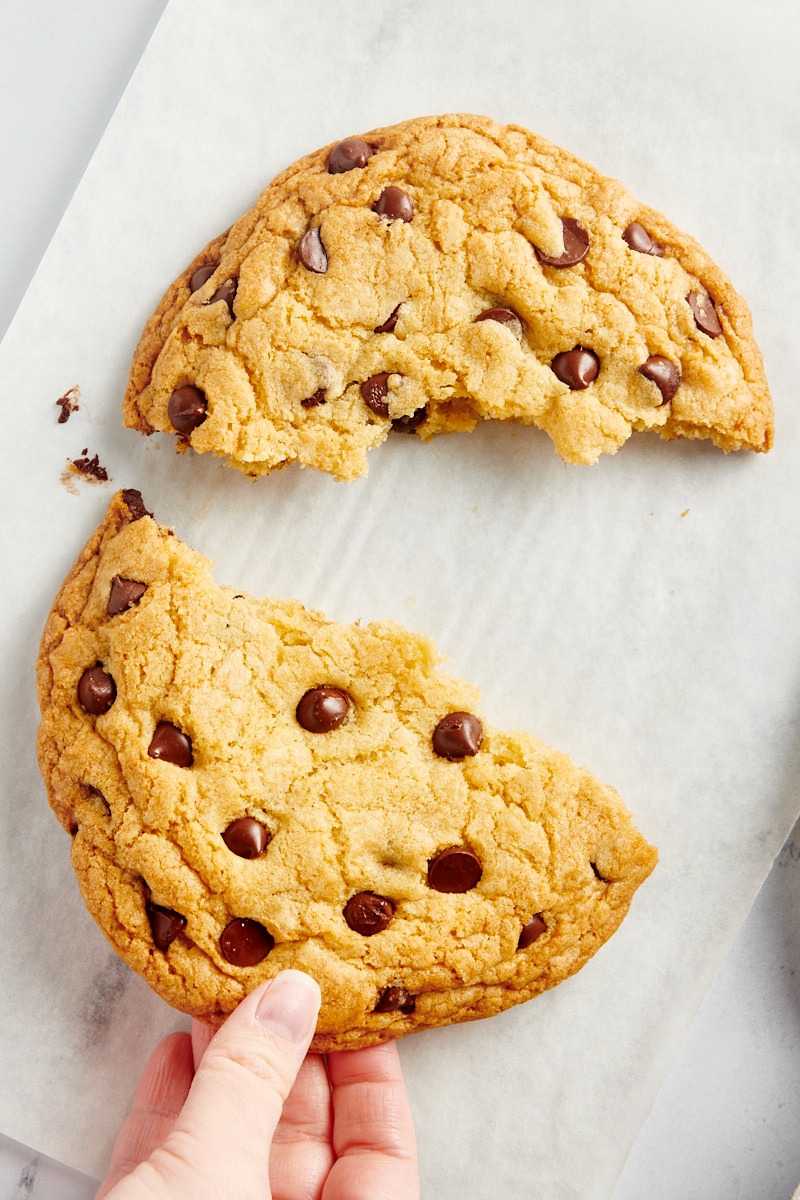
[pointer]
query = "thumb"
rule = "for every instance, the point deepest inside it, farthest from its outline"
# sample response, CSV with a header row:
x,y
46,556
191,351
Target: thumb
x,y
228,1121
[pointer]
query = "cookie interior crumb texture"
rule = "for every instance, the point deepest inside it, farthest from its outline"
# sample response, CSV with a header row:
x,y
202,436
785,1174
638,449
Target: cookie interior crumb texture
x,y
433,274
250,786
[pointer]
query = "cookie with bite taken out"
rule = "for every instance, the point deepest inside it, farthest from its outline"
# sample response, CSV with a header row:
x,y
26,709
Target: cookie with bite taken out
x,y
436,273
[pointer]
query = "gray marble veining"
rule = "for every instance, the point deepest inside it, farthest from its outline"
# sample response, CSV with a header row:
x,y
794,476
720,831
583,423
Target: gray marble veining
x,y
26,1175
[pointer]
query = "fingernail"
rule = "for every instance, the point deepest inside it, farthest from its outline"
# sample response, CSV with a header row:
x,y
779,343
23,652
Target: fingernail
x,y
289,1006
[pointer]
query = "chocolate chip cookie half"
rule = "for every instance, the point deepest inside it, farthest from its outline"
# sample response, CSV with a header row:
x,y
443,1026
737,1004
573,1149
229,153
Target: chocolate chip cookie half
x,y
436,273
250,786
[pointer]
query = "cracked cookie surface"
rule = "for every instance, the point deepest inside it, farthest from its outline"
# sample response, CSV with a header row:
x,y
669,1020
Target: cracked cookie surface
x,y
433,274
250,786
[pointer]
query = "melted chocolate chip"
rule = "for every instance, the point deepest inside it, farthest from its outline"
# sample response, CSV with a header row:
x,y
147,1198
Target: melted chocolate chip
x,y
187,408
170,745
455,869
311,251
226,292
663,373
244,943
124,594
395,999
96,691
530,932
164,924
705,314
504,316
576,246
201,276
132,498
350,153
367,913
322,709
639,240
411,423
375,390
576,368
458,735
246,837
98,799
313,401
394,204
390,322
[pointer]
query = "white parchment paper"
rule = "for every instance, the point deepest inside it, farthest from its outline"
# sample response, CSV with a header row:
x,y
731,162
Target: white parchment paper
x,y
639,614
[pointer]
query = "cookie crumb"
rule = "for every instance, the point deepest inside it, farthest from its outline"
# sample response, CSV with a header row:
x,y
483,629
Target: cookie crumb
x,y
68,403
90,468
685,512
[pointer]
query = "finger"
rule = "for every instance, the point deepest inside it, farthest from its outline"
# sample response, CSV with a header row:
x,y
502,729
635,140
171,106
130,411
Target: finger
x,y
302,1154
160,1096
235,1101
201,1036
373,1135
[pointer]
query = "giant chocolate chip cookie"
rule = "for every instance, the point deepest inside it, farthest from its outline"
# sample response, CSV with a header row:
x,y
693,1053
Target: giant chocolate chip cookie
x,y
433,274
250,786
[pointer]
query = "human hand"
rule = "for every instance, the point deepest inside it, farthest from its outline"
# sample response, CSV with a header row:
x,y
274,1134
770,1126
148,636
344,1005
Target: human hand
x,y
244,1113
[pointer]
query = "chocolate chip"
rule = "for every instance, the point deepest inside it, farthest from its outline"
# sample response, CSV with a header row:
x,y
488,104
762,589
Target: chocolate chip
x,y
171,745
576,246
244,943
375,390
322,709
98,799
367,913
505,316
96,691
458,735
530,932
132,499
411,423
165,924
663,373
395,999
124,594
390,322
201,276
705,314
187,408
394,204
246,837
576,368
311,251
639,240
455,869
313,401
350,153
226,292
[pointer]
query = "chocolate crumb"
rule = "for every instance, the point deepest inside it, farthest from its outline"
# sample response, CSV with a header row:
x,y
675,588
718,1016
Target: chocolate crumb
x,y
90,467
68,403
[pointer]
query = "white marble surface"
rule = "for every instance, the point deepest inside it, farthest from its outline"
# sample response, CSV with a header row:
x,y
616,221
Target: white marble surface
x,y
725,1123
